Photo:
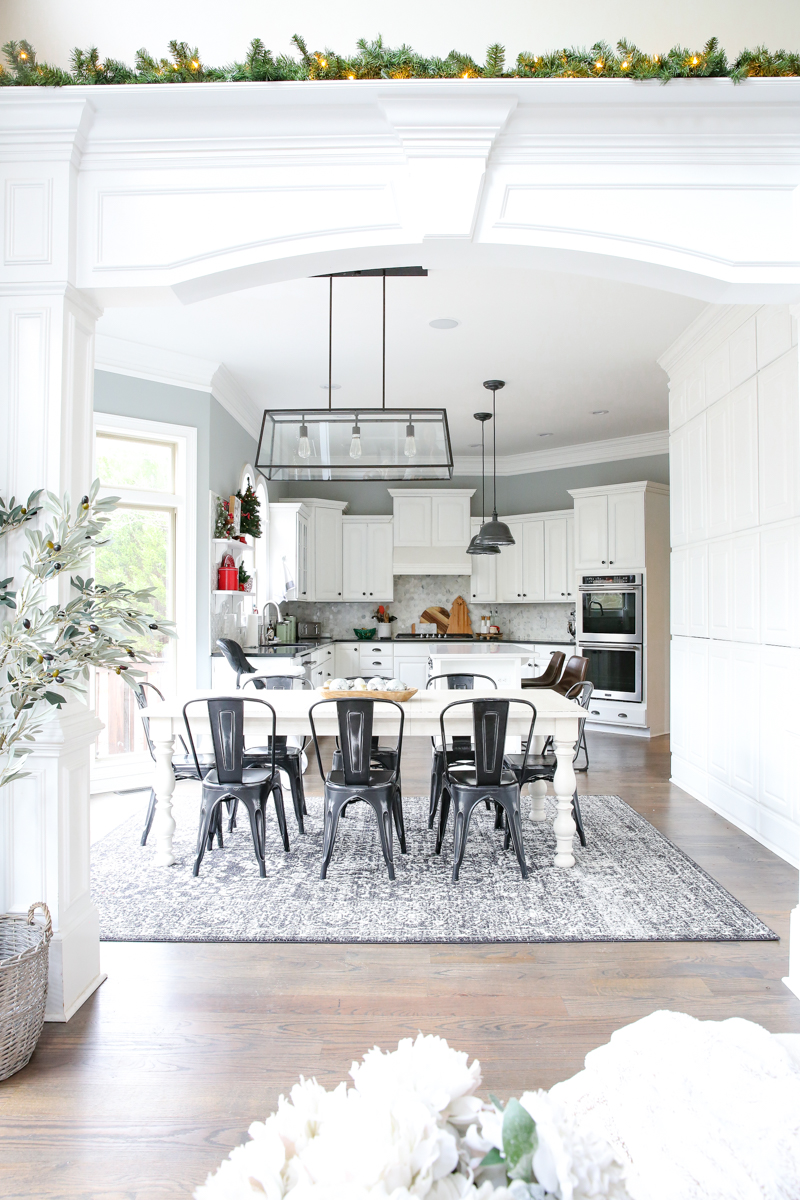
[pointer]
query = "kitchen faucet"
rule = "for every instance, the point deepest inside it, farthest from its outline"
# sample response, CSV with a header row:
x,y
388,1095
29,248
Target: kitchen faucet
x,y
276,606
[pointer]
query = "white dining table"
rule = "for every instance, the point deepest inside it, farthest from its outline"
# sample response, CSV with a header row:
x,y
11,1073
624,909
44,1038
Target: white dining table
x,y
556,717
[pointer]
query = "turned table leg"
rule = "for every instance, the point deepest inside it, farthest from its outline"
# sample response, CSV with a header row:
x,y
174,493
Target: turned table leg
x,y
537,789
164,824
564,786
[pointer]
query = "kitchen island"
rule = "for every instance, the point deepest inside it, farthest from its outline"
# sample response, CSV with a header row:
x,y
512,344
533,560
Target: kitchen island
x,y
501,661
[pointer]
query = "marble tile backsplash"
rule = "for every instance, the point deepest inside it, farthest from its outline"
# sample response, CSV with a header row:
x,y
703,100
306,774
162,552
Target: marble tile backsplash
x,y
413,593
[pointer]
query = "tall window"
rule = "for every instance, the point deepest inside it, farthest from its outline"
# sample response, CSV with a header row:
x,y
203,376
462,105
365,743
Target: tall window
x,y
151,544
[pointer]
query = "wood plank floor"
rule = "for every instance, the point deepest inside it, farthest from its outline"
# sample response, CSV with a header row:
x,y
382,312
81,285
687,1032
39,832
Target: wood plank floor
x,y
159,1074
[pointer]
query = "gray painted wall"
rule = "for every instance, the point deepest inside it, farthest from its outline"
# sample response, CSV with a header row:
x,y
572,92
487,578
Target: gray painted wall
x,y
542,491
217,469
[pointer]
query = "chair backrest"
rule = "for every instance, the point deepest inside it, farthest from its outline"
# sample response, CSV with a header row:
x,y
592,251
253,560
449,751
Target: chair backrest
x,y
278,683
574,672
355,735
141,699
226,718
489,723
457,682
552,671
235,657
581,693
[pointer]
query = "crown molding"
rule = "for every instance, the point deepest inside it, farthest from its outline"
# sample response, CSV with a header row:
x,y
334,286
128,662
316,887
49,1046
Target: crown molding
x,y
638,445
179,370
707,331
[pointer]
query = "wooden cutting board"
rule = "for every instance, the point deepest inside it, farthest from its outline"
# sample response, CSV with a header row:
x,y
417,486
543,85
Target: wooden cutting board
x,y
459,617
437,616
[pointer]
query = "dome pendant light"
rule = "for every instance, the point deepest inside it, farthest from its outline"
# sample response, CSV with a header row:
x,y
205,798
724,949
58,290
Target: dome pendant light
x,y
475,547
494,532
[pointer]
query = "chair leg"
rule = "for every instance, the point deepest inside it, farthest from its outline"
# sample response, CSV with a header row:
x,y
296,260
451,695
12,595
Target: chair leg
x,y
514,826
397,811
498,814
232,816
444,812
253,813
277,795
383,813
207,818
462,814
437,771
333,810
576,812
582,746
148,821
294,774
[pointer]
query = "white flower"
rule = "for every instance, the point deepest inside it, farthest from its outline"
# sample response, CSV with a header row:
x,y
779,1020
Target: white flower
x,y
428,1067
573,1160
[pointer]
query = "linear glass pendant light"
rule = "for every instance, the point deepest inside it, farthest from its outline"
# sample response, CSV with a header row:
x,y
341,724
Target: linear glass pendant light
x,y
366,444
475,546
494,532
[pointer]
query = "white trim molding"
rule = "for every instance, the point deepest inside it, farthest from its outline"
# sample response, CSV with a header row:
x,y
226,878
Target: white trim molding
x,y
638,445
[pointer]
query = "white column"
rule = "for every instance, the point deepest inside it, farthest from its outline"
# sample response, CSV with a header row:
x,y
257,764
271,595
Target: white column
x,y
46,387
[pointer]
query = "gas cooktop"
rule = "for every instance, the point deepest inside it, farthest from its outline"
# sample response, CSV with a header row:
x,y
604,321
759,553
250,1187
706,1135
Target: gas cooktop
x,y
434,637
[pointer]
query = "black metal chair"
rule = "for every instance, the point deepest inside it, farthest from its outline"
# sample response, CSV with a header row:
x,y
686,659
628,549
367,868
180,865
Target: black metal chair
x,y
183,764
487,779
287,758
529,768
358,779
460,749
380,756
231,780
236,659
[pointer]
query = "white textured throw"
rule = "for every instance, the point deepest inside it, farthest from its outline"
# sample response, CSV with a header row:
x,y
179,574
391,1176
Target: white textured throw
x,y
698,1110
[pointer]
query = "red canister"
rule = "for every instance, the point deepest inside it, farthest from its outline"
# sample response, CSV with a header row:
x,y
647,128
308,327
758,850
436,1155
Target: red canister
x,y
228,575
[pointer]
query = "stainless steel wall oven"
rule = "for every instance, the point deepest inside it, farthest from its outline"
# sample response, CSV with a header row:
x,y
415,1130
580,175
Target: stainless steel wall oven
x,y
615,671
610,610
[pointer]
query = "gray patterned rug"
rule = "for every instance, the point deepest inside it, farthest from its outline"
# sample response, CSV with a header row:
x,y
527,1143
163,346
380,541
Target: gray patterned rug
x,y
629,885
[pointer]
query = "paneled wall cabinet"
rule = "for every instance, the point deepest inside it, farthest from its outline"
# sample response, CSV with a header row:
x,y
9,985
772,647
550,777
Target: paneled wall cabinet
x,y
367,559
431,530
289,551
610,526
735,500
306,548
538,567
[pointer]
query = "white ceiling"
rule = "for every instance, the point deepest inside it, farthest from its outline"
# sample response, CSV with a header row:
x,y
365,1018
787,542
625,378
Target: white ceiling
x,y
564,344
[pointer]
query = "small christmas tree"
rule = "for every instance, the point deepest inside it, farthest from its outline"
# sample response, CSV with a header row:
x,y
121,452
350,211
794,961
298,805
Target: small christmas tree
x,y
223,521
251,518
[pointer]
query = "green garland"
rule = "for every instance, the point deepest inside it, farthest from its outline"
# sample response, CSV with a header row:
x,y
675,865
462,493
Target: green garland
x,y
376,61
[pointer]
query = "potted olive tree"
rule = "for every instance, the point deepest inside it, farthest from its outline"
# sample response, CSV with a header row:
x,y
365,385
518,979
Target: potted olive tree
x,y
50,636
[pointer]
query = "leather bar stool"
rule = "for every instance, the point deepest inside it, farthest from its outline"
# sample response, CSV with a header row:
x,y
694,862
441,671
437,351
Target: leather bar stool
x,y
550,675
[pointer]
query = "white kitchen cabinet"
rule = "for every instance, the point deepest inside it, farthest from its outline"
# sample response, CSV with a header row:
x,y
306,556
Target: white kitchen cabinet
x,y
413,671
367,559
520,568
778,441
744,456
376,658
718,448
532,560
559,573
677,491
450,520
289,551
745,572
326,539
610,526
780,571
431,530
689,591
591,532
509,566
346,659
412,518
483,573
696,474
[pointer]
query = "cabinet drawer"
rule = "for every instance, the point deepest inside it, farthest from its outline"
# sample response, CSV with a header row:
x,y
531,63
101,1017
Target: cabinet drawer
x,y
376,650
618,712
383,661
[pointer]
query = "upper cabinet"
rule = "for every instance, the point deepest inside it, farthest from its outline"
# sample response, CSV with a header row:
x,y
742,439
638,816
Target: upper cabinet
x,y
367,559
326,540
306,549
538,567
431,530
610,525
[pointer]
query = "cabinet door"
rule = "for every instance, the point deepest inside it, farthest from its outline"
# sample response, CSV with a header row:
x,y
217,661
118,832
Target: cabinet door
x,y
695,465
327,554
509,567
778,441
413,671
591,531
720,585
745,568
532,560
677,487
626,530
450,521
379,561
412,521
354,560
679,593
346,659
555,559
718,433
302,557
483,570
744,456
779,574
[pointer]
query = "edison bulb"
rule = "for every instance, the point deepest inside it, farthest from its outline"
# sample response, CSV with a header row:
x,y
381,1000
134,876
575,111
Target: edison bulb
x,y
411,442
355,443
304,445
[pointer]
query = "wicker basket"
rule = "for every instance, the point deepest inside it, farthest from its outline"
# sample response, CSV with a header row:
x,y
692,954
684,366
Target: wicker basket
x,y
23,986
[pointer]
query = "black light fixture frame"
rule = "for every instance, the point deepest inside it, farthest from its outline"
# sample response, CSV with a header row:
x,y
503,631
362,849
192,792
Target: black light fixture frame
x,y
362,469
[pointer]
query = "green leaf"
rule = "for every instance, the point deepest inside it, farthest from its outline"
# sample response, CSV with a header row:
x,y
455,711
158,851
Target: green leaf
x,y
493,1159
496,1102
519,1140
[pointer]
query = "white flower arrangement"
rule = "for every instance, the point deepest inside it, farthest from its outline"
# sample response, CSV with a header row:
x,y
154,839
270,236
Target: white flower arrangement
x,y
412,1126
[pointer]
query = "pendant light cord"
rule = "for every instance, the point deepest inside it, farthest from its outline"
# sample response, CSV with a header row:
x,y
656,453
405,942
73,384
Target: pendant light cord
x,y
330,342
383,383
494,456
483,473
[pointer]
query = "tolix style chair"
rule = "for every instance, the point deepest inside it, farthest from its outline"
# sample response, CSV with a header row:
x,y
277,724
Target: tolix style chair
x,y
460,748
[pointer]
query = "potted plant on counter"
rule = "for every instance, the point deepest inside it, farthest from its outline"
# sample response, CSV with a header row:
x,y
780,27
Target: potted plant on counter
x,y
384,619
46,650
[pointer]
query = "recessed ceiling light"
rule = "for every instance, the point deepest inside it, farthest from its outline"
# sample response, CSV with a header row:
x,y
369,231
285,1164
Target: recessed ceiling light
x,y
545,435
474,445
443,323
334,387
599,412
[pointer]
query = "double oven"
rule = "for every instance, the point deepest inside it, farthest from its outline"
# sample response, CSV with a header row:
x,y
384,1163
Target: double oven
x,y
610,633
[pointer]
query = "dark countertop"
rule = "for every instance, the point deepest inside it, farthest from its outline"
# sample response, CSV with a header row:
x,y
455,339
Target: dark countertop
x,y
296,649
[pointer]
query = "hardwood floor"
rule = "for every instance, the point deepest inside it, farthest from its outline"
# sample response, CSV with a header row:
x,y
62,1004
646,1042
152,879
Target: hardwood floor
x,y
159,1074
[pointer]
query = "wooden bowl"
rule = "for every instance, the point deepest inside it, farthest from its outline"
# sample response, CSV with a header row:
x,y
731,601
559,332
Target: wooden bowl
x,y
369,694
